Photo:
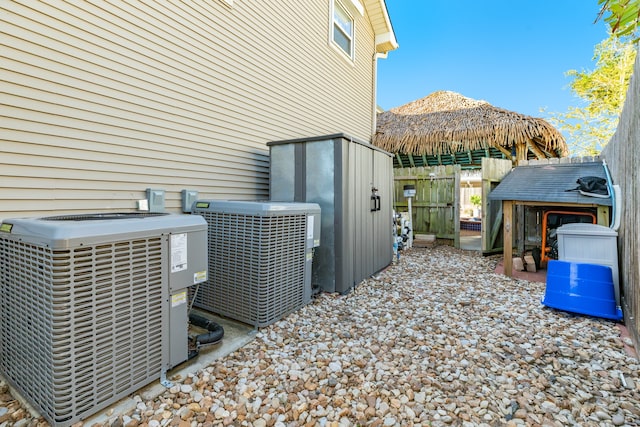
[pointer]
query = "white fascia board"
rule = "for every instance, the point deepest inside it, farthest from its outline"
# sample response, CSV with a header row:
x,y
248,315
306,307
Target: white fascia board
x,y
388,39
357,6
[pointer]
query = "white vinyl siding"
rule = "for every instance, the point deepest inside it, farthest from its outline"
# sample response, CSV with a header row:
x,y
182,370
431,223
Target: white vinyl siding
x,y
101,101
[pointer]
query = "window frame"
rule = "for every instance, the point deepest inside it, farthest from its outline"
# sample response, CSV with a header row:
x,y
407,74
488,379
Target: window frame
x,y
336,6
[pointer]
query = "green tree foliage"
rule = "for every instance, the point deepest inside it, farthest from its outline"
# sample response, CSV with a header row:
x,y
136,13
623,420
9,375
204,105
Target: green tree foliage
x,y
601,93
623,18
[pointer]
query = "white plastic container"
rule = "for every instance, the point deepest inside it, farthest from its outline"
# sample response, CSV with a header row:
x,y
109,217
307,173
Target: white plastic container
x,y
590,244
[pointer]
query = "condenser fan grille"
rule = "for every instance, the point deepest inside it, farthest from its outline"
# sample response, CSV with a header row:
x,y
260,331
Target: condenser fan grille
x,y
104,216
80,327
256,266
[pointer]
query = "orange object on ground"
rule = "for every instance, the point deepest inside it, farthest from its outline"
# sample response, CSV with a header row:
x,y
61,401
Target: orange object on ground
x,y
544,257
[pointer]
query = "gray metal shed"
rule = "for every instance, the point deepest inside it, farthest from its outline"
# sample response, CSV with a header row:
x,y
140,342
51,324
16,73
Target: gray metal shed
x,y
352,181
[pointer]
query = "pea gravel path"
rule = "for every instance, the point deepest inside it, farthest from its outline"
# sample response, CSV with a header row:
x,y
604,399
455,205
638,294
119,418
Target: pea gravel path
x,y
436,339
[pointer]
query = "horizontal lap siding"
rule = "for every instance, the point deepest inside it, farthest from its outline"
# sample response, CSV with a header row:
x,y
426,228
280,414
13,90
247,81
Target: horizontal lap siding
x,y
103,100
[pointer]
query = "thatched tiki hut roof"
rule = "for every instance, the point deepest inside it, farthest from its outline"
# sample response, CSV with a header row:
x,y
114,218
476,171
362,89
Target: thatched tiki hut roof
x,y
447,123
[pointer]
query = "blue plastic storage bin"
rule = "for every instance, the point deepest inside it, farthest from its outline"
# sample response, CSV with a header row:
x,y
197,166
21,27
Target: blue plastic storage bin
x,y
581,288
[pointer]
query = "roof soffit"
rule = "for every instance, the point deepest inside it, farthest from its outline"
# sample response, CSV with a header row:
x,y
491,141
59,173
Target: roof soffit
x,y
381,23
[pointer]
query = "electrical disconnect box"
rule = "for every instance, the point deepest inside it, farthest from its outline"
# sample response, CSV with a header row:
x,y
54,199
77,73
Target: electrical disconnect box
x,y
94,306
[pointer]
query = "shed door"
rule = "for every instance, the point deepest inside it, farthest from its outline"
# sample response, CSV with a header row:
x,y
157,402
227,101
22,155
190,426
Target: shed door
x,y
493,170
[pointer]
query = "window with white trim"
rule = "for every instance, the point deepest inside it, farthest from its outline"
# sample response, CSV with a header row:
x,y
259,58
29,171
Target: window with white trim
x,y
342,28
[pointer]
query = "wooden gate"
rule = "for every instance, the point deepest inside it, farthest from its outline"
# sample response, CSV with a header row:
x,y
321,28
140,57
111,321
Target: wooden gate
x,y
436,203
493,170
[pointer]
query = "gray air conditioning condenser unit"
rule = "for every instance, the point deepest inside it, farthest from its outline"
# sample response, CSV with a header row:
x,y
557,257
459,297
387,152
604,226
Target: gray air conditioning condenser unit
x,y
93,307
260,257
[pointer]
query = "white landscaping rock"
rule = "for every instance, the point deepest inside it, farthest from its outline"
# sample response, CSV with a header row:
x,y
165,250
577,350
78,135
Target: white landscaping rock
x,y
435,339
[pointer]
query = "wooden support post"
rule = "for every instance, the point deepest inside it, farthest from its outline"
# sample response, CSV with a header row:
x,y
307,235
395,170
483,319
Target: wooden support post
x,y
603,215
456,211
495,230
535,150
521,152
504,151
520,223
507,212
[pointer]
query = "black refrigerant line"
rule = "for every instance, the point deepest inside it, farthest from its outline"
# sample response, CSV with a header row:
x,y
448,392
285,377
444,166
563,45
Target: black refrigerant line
x,y
214,336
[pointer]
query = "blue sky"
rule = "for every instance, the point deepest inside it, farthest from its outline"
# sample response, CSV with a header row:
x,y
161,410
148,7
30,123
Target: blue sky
x,y
510,53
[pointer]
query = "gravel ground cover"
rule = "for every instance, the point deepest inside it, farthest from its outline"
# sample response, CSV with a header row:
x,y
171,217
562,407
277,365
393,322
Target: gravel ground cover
x,y
436,339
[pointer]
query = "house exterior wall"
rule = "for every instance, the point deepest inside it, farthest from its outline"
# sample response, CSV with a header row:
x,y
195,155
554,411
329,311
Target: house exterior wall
x,y
622,155
103,100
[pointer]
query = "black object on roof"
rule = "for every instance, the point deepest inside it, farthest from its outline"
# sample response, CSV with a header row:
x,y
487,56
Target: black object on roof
x,y
549,183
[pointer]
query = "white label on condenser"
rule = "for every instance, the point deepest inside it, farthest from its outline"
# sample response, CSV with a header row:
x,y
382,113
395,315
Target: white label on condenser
x,y
178,252
178,299
310,227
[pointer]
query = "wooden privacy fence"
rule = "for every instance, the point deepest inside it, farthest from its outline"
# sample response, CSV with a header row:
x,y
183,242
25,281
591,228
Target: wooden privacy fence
x,y
436,203
622,155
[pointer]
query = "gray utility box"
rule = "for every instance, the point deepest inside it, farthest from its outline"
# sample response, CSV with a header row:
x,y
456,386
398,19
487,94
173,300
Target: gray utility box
x,y
352,181
94,306
590,244
260,258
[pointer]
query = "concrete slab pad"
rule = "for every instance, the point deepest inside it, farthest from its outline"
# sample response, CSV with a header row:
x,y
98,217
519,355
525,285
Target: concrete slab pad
x,y
236,335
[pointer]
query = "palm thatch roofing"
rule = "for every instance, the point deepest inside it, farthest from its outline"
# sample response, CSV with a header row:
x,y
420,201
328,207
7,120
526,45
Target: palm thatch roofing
x,y
446,123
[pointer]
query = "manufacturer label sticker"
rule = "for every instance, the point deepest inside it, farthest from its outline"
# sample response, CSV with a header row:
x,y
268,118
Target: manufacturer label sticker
x,y
179,299
178,252
199,276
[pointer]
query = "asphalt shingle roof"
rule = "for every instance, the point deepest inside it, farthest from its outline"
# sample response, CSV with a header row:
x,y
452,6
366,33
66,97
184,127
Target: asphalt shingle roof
x,y
549,183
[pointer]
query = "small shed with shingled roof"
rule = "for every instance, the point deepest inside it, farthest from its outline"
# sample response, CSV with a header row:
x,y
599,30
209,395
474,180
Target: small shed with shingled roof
x,y
435,138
